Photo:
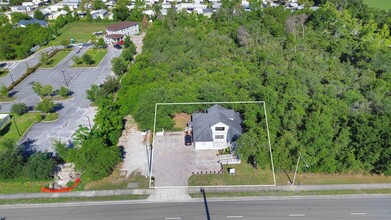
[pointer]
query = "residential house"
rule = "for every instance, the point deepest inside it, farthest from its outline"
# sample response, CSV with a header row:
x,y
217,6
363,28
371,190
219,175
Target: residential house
x,y
117,32
24,23
57,14
99,13
216,128
72,4
21,8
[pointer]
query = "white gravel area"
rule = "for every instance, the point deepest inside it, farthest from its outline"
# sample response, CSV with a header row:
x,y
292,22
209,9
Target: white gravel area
x,y
134,143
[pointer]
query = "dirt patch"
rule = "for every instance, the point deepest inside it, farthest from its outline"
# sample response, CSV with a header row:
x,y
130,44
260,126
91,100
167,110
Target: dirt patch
x,y
116,181
181,120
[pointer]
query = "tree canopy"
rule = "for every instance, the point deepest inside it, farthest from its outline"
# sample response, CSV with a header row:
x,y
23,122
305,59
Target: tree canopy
x,y
324,75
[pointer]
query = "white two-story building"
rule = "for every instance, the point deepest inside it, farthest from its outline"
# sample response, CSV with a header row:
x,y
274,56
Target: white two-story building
x,y
216,128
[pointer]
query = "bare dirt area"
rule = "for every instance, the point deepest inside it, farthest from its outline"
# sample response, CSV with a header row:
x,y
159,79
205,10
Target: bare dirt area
x,y
174,163
138,41
181,120
135,149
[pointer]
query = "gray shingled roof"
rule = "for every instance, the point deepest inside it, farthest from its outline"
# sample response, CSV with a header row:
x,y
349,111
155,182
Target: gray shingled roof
x,y
43,23
201,123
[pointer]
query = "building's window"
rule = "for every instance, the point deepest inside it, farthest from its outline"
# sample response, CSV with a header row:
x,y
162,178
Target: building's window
x,y
219,128
219,136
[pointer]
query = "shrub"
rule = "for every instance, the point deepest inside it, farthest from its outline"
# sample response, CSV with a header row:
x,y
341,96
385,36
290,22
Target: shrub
x,y
87,59
3,91
64,92
46,106
77,60
40,166
19,108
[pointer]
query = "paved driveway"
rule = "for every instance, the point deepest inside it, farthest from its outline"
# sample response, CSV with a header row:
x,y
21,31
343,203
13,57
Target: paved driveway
x,y
174,163
74,111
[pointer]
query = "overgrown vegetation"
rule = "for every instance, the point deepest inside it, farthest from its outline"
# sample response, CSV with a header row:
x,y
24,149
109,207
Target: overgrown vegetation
x,y
324,75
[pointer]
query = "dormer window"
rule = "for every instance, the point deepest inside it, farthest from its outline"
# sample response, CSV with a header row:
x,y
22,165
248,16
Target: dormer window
x,y
220,129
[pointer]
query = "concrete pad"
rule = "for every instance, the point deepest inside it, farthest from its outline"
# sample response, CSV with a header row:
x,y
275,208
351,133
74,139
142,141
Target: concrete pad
x,y
170,194
174,163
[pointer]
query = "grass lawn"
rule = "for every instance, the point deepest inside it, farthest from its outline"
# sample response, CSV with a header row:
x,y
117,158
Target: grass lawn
x,y
71,199
380,4
115,181
21,186
23,122
3,71
56,58
97,56
290,193
246,175
8,99
81,31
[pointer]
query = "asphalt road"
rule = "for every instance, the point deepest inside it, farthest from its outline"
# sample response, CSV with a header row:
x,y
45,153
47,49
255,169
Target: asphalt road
x,y
326,207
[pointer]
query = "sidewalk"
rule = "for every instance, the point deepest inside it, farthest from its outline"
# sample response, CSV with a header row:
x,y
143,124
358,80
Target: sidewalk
x,y
181,194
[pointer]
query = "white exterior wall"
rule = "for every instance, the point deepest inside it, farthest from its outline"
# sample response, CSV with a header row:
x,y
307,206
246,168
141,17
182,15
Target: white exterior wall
x,y
126,31
214,132
207,145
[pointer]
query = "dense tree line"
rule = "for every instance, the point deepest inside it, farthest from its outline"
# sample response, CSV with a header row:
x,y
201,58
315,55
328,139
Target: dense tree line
x,y
325,76
16,162
15,43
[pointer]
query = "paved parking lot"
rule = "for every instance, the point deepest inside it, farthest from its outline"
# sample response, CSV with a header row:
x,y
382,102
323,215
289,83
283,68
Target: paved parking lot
x,y
74,112
174,163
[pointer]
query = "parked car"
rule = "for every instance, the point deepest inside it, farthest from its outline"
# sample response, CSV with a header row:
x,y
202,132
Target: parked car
x,y
80,46
117,46
188,139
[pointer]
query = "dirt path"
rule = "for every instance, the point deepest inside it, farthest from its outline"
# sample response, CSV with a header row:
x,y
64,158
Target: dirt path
x,y
136,158
138,41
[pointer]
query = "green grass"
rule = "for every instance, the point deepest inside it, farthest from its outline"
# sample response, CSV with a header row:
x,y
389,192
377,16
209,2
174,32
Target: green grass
x,y
245,174
291,193
115,181
51,117
71,199
23,122
380,4
97,56
8,99
56,59
21,186
81,31
3,71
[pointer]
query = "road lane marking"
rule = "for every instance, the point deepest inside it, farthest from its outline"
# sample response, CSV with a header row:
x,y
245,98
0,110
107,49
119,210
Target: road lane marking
x,y
296,215
173,218
235,216
358,213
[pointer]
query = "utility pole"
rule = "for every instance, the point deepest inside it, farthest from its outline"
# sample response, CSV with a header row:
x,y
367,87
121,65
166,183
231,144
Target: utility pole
x,y
297,166
16,126
89,122
12,79
66,83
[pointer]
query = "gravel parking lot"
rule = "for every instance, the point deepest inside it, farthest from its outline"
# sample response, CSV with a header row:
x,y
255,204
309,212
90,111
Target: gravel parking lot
x,y
174,163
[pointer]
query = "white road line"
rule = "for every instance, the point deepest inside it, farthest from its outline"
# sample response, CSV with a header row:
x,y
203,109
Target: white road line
x,y
235,216
296,215
358,213
173,218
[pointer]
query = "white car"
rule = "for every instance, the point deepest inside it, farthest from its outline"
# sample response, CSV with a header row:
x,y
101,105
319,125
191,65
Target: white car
x,y
80,46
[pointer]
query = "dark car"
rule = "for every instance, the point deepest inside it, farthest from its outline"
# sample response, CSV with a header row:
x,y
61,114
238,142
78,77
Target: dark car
x,y
188,140
3,65
117,46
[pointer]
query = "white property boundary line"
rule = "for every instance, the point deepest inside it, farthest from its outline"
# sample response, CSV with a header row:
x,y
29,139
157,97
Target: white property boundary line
x,y
206,103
